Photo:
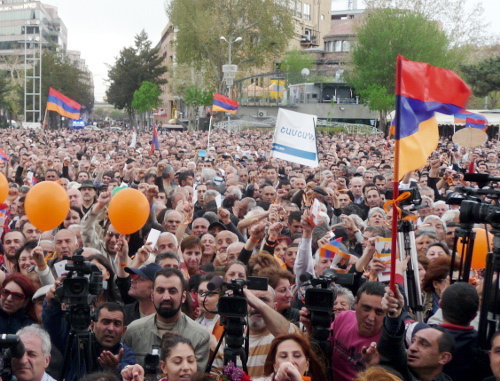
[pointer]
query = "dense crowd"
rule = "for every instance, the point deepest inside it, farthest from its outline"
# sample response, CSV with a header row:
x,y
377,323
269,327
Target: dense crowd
x,y
219,214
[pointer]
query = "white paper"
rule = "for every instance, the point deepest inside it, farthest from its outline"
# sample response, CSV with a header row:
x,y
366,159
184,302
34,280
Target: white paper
x,y
153,237
60,268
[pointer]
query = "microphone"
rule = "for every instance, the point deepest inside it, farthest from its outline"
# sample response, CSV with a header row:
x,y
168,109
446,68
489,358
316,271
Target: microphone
x,y
215,283
14,343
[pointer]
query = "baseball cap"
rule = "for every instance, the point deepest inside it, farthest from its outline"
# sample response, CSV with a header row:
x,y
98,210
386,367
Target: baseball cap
x,y
147,271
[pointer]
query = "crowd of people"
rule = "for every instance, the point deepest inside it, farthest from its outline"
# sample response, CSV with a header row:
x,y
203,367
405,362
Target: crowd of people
x,y
222,213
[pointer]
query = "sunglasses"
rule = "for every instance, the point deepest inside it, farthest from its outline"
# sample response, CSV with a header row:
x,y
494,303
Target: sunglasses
x,y
15,295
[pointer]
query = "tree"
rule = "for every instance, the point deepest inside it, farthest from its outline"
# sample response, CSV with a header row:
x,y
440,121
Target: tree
x,y
264,26
293,63
384,34
484,77
58,72
461,20
146,98
195,97
133,66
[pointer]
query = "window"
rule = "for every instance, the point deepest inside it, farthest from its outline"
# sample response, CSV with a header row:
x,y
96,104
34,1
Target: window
x,y
298,8
307,11
346,46
338,46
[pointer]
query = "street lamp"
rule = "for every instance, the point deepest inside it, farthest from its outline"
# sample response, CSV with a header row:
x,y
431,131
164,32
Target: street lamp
x,y
229,70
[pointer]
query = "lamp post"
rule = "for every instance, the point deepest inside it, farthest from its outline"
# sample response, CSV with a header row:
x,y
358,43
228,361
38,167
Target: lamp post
x,y
229,70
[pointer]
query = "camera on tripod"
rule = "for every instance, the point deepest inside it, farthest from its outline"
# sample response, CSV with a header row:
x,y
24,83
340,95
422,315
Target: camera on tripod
x,y
235,305
77,286
84,279
11,347
320,298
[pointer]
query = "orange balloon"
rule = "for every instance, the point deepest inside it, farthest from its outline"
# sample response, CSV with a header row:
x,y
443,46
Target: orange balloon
x,y
47,205
480,248
4,188
128,211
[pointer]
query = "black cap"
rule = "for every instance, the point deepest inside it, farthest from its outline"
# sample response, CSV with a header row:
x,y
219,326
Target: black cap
x,y
320,191
147,271
88,184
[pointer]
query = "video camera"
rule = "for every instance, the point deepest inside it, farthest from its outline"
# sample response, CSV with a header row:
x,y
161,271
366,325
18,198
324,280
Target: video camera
x,y
84,279
320,298
11,347
235,305
152,364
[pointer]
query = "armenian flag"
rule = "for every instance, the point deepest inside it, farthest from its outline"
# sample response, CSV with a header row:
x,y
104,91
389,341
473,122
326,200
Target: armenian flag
x,y
155,142
225,104
63,105
330,249
3,155
422,90
471,119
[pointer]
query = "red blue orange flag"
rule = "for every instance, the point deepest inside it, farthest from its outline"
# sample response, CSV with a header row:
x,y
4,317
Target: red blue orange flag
x,y
155,142
471,119
330,249
225,104
3,156
63,105
422,90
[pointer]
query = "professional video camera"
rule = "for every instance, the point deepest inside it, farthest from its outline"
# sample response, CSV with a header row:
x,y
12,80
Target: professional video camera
x,y
152,364
233,310
473,210
414,200
320,297
84,279
11,347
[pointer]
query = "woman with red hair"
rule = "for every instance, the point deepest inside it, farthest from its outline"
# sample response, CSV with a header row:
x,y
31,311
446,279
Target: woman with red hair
x,y
16,306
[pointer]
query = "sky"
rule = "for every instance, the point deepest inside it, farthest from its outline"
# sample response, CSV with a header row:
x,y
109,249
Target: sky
x,y
99,29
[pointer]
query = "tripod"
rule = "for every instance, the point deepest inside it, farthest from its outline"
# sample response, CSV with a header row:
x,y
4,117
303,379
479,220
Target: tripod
x,y
467,236
407,247
490,307
79,350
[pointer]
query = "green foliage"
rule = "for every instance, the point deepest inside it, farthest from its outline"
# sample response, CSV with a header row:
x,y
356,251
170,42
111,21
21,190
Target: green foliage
x,y
484,77
377,98
59,73
265,27
133,66
195,97
147,97
293,63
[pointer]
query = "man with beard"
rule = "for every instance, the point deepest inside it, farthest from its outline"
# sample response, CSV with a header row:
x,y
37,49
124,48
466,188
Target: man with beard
x,y
265,323
169,293
12,241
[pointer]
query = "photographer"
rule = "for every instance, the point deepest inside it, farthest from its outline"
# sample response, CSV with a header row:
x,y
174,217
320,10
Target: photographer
x,y
264,323
107,328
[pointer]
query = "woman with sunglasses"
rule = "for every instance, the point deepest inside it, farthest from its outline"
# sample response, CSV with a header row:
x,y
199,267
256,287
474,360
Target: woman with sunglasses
x,y
16,307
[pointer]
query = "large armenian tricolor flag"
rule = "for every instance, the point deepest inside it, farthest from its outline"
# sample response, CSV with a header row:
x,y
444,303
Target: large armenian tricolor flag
x,y
63,105
225,104
422,90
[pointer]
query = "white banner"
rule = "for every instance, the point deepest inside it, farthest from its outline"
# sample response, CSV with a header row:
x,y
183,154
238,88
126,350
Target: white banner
x,y
295,138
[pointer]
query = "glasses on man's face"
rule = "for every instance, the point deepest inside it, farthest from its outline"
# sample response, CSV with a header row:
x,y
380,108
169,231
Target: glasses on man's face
x,y
111,234
204,294
15,295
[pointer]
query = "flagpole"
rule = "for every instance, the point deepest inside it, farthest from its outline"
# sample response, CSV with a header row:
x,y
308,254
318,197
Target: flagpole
x,y
209,130
44,119
395,184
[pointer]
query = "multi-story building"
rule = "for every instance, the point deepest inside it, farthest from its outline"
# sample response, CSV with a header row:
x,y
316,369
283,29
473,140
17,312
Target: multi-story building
x,y
20,19
312,23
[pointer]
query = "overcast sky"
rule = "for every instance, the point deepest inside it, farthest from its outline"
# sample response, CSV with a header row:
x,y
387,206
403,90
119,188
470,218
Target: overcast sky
x,y
100,29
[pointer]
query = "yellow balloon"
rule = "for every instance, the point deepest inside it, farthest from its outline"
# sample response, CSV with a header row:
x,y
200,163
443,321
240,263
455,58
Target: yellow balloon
x,y
128,211
4,188
47,205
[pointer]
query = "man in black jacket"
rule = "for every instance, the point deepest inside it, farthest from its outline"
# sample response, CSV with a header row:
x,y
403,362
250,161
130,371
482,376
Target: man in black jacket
x,y
429,352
